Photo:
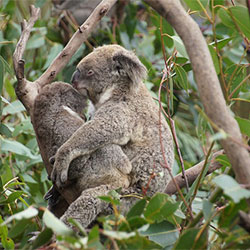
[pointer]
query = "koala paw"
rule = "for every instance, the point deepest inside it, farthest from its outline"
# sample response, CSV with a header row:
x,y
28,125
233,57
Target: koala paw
x,y
59,174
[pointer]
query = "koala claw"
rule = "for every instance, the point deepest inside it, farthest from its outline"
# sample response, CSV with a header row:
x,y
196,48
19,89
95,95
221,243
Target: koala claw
x,y
59,175
64,176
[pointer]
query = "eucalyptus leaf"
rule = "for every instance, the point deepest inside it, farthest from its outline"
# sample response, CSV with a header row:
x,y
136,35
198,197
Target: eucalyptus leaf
x,y
189,240
242,18
163,233
13,108
215,58
231,188
43,238
17,148
55,224
181,77
28,213
207,209
196,4
244,125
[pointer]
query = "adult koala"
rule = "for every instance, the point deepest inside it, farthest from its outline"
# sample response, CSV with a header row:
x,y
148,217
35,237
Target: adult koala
x,y
57,114
125,115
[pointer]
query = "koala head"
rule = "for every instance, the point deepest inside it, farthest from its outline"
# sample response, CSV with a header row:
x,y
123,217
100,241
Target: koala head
x,y
108,67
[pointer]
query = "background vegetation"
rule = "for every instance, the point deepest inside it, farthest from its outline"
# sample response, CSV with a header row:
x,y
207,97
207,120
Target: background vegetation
x,y
161,222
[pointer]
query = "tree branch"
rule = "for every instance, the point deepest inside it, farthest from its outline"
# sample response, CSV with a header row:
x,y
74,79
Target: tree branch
x,y
26,29
75,42
193,172
207,82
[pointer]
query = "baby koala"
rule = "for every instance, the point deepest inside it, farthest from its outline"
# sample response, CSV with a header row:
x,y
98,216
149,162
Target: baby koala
x,y
57,114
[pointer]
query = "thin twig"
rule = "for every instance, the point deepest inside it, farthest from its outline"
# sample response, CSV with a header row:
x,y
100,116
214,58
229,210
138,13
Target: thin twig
x,y
241,83
172,125
201,173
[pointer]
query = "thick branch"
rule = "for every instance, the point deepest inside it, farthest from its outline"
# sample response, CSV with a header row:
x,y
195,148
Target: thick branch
x,y
208,83
192,173
75,42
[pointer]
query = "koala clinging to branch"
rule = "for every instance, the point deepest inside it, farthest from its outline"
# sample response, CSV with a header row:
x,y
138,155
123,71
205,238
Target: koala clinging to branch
x,y
125,115
57,114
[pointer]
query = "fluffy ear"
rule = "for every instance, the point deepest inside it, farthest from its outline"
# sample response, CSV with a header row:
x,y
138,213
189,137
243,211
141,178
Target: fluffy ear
x,y
128,64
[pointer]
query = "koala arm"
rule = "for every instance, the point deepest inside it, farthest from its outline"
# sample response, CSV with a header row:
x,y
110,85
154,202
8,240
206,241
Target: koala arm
x,y
109,126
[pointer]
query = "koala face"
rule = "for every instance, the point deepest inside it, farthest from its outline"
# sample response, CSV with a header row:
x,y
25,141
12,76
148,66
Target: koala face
x,y
109,66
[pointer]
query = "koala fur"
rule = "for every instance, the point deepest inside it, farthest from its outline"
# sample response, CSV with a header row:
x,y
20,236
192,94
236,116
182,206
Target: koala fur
x,y
125,115
57,114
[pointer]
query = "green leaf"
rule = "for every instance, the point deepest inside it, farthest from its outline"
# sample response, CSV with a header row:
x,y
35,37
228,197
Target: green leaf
x,y
43,238
13,108
7,242
3,229
109,199
1,76
181,77
4,130
17,148
94,239
230,214
36,41
241,16
180,46
136,222
18,228
12,197
28,213
55,224
169,208
244,125
207,209
196,4
153,209
6,66
163,233
231,188
137,209
225,18
216,2
188,240
215,58
221,43
54,51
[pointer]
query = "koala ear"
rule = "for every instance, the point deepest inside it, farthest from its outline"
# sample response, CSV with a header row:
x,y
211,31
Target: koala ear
x,y
127,63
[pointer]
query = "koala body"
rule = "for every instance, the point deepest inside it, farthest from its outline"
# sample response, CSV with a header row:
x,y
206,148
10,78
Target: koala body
x,y
125,115
57,114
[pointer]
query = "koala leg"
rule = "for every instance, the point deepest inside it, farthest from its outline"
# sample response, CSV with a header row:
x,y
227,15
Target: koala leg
x,y
119,159
87,206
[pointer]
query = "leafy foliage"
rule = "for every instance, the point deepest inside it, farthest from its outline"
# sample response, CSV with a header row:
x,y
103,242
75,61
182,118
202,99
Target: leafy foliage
x,y
160,222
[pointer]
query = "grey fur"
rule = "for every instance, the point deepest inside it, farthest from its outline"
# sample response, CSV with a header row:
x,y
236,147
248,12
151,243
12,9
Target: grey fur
x,y
125,115
57,115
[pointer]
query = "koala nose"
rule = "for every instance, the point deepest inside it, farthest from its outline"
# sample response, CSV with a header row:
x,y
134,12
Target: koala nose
x,y
75,78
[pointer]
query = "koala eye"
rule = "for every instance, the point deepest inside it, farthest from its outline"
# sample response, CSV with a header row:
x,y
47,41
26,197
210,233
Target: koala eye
x,y
90,72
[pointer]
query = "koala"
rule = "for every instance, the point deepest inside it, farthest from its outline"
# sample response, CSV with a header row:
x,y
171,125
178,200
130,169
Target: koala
x,y
126,116
57,114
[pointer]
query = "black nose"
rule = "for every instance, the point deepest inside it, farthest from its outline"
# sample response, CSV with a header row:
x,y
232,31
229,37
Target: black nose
x,y
75,76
